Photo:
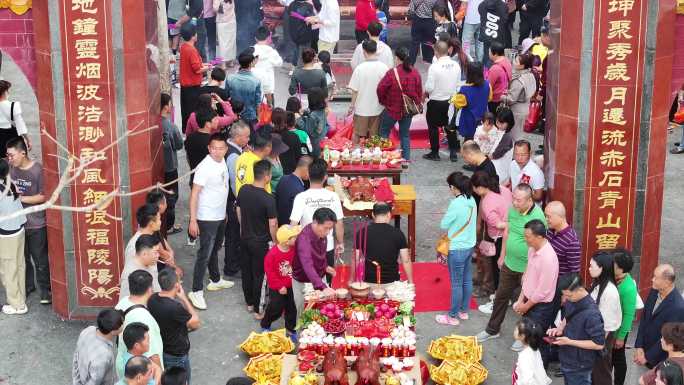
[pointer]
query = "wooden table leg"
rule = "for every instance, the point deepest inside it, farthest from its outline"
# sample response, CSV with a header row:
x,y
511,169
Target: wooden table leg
x,y
412,230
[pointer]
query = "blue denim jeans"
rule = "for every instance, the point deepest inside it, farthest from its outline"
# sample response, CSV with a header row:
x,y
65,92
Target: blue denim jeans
x,y
577,377
461,278
681,141
181,362
471,42
387,123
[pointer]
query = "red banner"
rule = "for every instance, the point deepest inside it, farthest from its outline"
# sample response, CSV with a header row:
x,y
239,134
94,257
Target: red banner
x,y
91,130
619,39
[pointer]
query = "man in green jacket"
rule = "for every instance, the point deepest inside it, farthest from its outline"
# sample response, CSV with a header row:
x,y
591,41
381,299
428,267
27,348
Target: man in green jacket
x,y
513,259
627,288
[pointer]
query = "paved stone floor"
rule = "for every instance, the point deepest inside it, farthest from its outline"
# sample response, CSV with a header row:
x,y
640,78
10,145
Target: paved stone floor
x,y
37,348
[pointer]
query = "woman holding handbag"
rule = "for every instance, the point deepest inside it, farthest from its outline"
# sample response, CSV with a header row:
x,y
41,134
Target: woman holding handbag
x,y
491,223
401,93
521,89
12,124
460,223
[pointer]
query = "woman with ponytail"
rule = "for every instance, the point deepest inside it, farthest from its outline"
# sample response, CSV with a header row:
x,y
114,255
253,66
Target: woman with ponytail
x,y
494,205
401,80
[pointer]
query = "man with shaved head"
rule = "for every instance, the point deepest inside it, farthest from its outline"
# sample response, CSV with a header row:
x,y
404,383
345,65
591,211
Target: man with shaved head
x,y
563,239
664,304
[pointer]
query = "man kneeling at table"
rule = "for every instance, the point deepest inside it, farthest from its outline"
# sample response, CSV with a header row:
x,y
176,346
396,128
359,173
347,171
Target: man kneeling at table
x,y
385,245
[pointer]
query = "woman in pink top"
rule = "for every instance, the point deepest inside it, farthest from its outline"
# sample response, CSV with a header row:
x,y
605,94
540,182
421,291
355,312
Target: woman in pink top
x,y
210,101
491,223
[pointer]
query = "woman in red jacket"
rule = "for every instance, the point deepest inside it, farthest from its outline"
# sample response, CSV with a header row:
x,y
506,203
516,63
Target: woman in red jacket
x,y
390,96
364,15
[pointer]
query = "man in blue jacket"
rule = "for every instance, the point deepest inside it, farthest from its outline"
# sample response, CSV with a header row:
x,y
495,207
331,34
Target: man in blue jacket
x,y
664,304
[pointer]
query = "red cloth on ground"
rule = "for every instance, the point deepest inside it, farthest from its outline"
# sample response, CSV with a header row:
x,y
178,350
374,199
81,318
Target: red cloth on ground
x,y
278,267
365,14
190,66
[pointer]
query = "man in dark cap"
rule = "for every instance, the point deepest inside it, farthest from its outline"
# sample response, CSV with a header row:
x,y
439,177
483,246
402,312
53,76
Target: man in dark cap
x,y
191,72
244,87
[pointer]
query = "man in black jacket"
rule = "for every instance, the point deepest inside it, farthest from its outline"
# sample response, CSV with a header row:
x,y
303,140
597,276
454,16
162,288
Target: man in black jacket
x,y
301,16
532,14
664,304
493,25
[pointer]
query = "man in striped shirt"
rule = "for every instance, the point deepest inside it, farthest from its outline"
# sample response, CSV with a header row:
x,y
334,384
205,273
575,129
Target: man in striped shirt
x,y
563,239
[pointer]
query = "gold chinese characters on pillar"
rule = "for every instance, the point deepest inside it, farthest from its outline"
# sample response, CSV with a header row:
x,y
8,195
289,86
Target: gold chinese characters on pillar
x,y
90,109
614,125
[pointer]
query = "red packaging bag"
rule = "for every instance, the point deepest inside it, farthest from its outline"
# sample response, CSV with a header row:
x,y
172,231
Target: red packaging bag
x,y
384,193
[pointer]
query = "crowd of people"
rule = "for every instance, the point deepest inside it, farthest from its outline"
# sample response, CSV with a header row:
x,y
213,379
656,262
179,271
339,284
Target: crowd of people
x,y
260,194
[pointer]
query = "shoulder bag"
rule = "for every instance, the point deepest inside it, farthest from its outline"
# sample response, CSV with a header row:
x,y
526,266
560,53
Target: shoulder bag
x,y
445,240
410,106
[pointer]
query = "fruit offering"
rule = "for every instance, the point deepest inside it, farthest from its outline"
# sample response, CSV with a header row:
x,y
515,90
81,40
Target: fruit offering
x,y
332,311
378,141
311,315
269,342
334,326
385,311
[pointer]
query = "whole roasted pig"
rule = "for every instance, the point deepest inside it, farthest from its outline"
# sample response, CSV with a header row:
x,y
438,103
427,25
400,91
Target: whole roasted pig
x,y
368,367
361,190
335,368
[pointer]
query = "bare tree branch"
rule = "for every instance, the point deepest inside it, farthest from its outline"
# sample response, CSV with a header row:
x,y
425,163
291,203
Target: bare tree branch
x,y
75,166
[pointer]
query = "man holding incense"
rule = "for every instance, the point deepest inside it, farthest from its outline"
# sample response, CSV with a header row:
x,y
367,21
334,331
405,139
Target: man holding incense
x,y
384,246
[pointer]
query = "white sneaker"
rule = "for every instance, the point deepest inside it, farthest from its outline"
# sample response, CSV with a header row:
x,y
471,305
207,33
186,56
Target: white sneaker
x,y
487,308
197,299
484,336
221,284
517,346
11,310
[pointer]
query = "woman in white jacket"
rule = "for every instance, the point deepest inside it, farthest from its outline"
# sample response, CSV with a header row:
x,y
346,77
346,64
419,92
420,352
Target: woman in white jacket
x,y
607,297
226,30
529,370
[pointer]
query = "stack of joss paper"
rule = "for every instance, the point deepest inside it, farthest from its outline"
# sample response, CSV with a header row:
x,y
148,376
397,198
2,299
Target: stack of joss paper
x,y
269,342
460,357
265,369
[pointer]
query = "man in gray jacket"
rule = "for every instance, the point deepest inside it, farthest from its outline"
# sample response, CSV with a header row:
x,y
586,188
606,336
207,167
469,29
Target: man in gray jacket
x,y
172,141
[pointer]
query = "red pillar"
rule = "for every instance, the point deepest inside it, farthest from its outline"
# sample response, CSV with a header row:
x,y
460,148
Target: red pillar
x,y
609,85
97,78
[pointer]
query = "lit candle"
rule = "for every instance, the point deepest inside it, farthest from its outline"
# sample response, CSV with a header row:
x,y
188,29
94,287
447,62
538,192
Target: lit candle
x,y
377,271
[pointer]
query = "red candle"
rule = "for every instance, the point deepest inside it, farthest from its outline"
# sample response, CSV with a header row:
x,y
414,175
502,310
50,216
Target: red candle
x,y
377,272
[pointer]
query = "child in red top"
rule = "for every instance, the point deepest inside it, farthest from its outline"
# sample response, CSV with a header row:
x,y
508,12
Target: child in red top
x,y
278,269
365,13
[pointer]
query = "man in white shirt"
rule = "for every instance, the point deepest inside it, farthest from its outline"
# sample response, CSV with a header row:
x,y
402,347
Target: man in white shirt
x,y
441,84
307,202
145,258
471,29
383,52
268,59
208,200
364,101
328,23
524,170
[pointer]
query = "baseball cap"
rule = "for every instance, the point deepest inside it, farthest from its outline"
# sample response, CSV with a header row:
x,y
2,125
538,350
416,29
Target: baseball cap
x,y
286,232
526,45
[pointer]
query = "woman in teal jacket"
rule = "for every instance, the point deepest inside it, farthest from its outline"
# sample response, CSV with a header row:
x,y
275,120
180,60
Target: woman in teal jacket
x,y
460,223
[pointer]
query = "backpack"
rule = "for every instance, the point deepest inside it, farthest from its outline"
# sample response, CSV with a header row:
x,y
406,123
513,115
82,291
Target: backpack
x,y
300,32
310,124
